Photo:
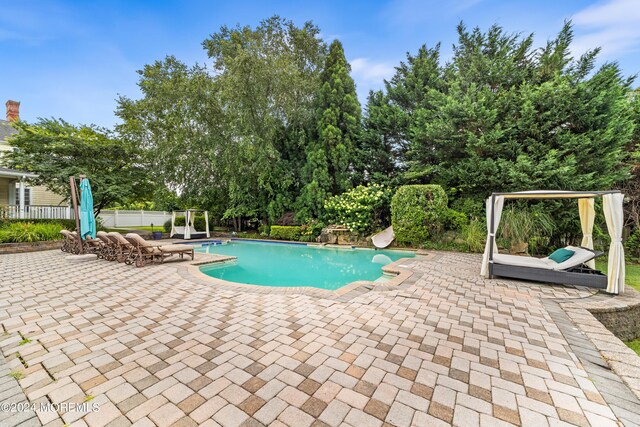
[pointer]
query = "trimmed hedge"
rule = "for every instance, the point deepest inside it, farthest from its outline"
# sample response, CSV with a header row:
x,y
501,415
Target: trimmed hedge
x,y
418,212
285,232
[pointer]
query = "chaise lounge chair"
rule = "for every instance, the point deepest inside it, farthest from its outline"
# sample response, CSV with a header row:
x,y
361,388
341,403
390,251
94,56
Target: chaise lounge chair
x,y
70,243
573,271
109,246
123,248
93,246
144,251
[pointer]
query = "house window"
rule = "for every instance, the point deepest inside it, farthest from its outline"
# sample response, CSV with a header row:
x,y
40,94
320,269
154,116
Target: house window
x,y
27,196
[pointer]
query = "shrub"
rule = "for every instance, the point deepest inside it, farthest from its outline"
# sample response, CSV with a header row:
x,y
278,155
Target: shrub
x,y
285,232
632,245
357,209
310,230
69,224
263,229
521,224
417,212
20,232
475,235
454,220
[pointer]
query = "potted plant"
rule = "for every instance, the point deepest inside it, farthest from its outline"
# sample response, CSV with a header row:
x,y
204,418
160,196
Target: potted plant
x,y
157,235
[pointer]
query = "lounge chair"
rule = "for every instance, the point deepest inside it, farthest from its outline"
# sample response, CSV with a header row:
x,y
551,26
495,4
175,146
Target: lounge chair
x,y
144,251
573,271
123,248
384,238
70,243
109,246
93,246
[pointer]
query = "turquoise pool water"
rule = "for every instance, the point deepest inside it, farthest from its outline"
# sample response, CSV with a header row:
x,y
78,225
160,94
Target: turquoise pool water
x,y
284,265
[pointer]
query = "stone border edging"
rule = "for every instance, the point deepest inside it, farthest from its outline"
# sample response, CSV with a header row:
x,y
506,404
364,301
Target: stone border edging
x,y
192,273
17,248
613,352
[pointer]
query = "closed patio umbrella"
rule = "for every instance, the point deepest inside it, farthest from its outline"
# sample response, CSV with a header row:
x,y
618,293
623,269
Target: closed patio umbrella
x,y
87,219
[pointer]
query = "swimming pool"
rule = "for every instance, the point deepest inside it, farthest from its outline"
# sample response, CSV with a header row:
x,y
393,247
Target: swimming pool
x,y
290,265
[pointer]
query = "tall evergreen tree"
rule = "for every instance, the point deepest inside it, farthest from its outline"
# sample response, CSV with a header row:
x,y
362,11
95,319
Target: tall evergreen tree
x,y
330,156
502,116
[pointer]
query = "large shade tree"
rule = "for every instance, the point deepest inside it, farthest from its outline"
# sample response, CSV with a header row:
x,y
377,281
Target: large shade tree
x,y
233,135
54,150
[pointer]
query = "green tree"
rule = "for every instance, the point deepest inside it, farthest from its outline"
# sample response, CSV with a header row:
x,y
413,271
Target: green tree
x,y
330,157
54,150
268,78
231,138
502,116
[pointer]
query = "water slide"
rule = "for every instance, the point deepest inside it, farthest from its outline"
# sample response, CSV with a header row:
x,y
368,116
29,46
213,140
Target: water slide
x,y
384,238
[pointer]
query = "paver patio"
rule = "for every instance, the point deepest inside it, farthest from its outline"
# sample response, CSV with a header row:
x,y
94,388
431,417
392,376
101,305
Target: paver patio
x,y
149,346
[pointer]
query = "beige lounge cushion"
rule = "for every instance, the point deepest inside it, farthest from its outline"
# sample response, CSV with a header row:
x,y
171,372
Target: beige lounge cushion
x,y
175,248
524,261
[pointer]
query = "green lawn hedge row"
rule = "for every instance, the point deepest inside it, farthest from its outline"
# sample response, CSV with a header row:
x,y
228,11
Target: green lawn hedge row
x,y
285,232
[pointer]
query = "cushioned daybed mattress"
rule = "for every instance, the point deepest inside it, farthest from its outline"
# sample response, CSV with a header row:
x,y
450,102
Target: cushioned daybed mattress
x,y
547,270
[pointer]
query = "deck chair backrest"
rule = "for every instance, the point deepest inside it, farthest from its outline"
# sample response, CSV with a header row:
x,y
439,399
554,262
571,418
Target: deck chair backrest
x,y
140,243
118,238
104,237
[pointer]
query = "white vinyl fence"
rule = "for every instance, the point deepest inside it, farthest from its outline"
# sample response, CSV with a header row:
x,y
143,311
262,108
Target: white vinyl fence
x,y
123,218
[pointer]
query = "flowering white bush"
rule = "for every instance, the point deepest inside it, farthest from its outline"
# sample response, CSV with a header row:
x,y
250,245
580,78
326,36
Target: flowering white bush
x,y
356,208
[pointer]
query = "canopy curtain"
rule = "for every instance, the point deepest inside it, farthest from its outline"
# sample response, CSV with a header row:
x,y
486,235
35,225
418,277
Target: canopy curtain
x,y
187,223
497,215
173,223
206,223
613,214
587,217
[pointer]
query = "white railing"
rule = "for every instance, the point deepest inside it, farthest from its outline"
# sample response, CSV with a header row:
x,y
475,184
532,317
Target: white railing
x,y
36,212
126,218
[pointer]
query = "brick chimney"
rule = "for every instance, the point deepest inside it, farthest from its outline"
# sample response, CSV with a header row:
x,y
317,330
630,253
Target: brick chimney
x,y
13,111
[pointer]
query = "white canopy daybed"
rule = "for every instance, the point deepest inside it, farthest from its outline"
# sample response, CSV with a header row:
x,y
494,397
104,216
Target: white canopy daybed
x,y
543,270
188,231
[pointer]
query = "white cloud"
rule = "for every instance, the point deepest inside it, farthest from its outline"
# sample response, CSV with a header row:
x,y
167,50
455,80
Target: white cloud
x,y
614,25
368,72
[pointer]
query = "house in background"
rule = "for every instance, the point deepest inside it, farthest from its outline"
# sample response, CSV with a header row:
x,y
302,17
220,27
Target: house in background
x,y
17,198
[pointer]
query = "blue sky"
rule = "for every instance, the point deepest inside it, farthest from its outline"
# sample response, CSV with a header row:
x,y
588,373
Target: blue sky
x,y
71,59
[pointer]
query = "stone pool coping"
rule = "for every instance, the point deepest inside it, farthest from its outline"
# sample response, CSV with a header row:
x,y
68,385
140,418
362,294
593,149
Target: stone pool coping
x,y
399,269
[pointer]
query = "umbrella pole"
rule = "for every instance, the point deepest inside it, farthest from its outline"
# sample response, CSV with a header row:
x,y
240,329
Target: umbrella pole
x,y
74,199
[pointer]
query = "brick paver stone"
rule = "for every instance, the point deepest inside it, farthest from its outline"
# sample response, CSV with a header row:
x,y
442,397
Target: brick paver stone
x,y
161,346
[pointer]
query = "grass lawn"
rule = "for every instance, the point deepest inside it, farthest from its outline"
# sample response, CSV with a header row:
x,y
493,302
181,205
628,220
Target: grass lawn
x,y
632,274
634,345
